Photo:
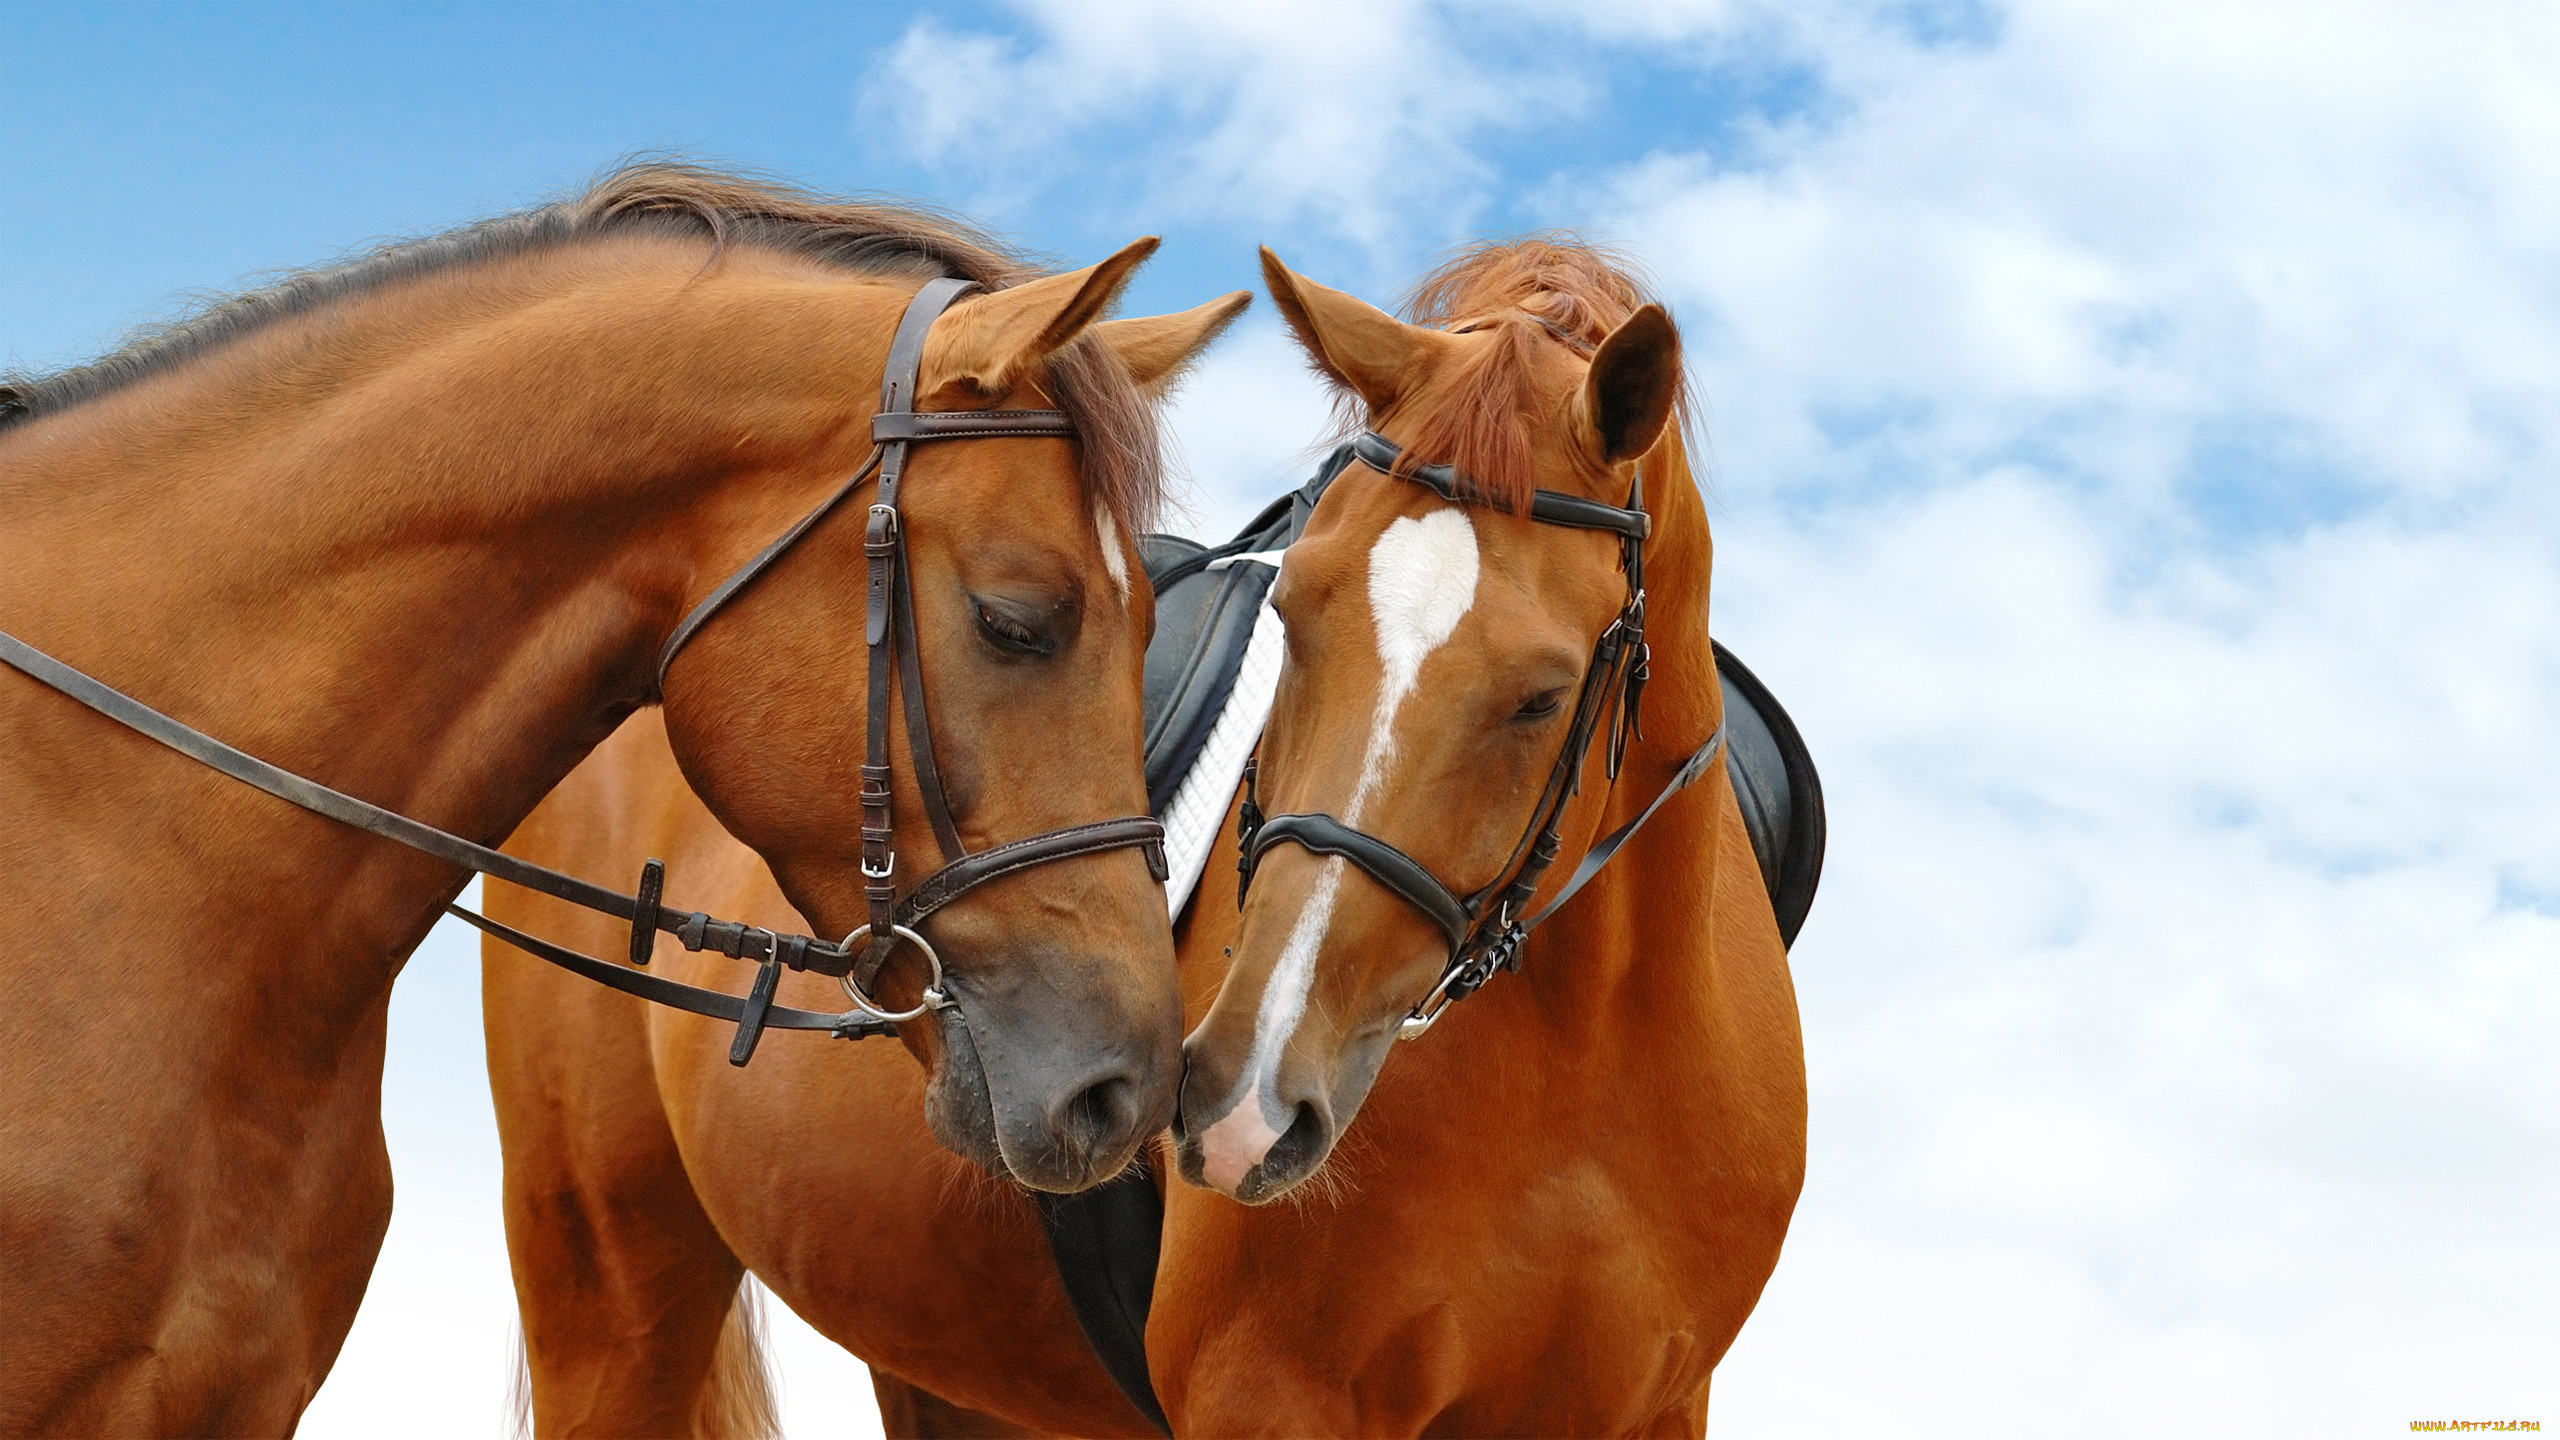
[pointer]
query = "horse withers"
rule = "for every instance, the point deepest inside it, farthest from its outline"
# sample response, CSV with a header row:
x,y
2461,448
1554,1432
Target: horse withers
x,y
419,528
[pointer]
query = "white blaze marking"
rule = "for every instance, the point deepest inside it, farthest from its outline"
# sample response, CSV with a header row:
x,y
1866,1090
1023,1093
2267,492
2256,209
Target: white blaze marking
x,y
1422,582
1112,559
1244,1135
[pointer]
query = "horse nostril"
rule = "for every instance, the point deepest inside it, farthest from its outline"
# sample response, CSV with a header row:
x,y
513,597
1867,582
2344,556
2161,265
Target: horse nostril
x,y
1302,1147
1099,1116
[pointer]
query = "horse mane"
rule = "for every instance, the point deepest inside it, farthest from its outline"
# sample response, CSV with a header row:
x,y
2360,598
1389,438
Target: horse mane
x,y
1529,290
1115,424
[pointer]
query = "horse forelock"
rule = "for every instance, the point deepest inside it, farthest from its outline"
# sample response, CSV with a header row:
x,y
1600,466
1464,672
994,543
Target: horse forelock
x,y
1116,431
1481,417
870,235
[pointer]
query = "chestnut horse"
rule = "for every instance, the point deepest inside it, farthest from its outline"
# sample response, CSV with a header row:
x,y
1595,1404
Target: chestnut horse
x,y
1563,1200
1566,1196
419,528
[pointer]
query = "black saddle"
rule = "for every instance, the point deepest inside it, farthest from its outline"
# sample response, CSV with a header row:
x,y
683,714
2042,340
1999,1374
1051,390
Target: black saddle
x,y
1105,1241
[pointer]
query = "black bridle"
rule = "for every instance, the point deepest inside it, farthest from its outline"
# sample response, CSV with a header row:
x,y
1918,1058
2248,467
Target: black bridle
x,y
889,635
1485,929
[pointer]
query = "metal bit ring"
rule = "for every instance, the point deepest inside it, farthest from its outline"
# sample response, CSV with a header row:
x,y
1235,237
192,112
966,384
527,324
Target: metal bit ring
x,y
934,996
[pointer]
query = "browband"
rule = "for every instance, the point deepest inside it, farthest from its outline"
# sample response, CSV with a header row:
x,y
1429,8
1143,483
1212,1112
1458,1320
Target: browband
x,y
1554,507
914,425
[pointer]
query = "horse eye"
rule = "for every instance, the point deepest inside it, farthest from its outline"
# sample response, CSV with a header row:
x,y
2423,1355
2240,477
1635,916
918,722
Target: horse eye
x,y
1009,633
1540,706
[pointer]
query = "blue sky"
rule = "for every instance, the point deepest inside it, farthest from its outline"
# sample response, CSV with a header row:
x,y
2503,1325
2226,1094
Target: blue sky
x,y
164,149
2134,434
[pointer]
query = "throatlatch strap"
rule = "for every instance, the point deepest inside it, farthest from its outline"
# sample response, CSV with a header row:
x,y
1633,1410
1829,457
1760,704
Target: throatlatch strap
x,y
727,590
1601,852
911,701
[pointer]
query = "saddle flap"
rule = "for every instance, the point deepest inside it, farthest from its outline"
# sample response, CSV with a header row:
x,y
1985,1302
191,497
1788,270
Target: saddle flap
x,y
1779,792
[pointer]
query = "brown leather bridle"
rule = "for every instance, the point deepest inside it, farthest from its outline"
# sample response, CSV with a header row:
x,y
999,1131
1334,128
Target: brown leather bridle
x,y
1485,929
889,634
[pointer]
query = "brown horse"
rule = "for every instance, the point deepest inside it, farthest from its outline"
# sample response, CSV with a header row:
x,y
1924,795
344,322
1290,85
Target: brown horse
x,y
418,528
1567,1196
1562,1202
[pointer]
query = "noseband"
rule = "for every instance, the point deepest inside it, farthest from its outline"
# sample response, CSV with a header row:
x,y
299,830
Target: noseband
x,y
1485,929
889,633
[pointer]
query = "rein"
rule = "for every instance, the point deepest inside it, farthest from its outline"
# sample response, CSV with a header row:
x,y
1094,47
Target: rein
x,y
890,636
1485,930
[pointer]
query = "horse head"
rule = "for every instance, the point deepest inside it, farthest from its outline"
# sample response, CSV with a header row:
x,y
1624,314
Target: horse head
x,y
1060,1051
1438,649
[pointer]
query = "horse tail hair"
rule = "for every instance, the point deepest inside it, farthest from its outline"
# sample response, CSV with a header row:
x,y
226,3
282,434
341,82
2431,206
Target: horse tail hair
x,y
737,1397
519,1389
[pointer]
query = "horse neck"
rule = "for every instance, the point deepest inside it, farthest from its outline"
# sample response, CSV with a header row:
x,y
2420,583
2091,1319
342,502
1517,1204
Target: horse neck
x,y
421,544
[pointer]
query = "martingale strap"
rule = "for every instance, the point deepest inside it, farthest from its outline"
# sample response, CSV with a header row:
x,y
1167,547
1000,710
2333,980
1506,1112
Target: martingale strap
x,y
890,636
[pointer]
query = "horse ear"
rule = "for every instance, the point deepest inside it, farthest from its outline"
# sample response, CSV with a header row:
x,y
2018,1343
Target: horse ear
x,y
989,340
1158,348
1353,343
1635,377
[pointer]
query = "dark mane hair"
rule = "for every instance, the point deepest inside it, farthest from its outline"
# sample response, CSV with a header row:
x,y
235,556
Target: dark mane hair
x,y
1526,291
1115,427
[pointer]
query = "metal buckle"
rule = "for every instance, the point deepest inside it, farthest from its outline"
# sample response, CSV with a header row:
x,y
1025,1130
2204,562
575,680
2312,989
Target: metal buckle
x,y
935,997
1418,1023
888,516
1470,971
887,868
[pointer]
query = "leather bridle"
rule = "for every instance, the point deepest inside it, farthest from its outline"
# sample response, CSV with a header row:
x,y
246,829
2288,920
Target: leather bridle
x,y
1485,929
889,634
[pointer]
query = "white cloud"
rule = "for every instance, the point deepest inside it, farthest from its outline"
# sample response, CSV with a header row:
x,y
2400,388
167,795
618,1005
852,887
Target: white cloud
x,y
2179,1003
2106,211
1349,118
2136,434
1244,430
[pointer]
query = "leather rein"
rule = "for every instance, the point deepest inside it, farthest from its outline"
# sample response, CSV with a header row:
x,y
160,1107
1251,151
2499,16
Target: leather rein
x,y
1485,929
890,637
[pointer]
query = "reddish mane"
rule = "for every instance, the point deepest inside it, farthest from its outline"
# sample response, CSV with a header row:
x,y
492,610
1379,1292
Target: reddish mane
x,y
1528,291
